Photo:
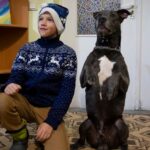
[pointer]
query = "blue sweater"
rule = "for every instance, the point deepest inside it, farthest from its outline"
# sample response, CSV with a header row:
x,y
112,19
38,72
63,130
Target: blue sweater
x,y
46,70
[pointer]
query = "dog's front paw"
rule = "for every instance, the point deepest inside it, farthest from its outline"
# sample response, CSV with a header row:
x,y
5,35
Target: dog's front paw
x,y
103,147
79,143
74,146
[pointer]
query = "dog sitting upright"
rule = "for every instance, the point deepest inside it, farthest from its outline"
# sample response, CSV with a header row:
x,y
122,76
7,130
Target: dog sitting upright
x,y
105,77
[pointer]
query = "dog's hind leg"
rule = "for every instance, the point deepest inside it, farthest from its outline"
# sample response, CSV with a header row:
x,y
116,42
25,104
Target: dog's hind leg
x,y
123,133
82,131
103,147
87,133
124,147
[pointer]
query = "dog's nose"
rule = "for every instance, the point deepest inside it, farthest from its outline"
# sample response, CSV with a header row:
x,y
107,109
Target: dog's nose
x,y
102,20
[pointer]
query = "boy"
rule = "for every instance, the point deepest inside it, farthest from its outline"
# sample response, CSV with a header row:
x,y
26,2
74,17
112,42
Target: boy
x,y
41,85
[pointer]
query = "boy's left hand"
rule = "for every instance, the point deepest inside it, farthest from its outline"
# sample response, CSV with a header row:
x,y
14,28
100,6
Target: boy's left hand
x,y
44,131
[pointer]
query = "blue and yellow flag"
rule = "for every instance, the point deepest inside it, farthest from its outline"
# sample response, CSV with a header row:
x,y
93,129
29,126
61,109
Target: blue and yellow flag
x,y
5,12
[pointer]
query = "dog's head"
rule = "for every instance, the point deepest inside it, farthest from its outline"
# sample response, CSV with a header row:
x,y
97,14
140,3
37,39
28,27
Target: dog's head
x,y
108,22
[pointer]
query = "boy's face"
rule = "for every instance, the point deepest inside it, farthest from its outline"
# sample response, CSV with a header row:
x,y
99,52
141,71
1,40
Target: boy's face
x,y
46,25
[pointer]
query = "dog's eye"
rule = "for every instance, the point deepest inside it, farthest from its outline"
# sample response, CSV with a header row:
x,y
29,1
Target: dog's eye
x,y
112,14
100,14
97,14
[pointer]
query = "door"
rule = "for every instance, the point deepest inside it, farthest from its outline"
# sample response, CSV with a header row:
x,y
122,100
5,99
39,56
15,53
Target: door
x,y
145,56
136,50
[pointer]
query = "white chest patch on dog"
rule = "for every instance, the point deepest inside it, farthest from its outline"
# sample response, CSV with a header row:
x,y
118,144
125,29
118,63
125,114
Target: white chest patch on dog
x,y
106,67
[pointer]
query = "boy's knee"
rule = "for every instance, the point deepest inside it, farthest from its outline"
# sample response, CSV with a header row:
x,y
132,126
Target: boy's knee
x,y
5,102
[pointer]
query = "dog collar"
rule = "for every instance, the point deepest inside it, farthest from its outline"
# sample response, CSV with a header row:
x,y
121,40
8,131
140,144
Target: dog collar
x,y
103,41
107,48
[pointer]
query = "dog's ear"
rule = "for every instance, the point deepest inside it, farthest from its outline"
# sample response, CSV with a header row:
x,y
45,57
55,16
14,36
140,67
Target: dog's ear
x,y
96,14
123,14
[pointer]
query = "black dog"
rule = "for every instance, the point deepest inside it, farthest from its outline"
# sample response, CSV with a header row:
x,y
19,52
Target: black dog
x,y
106,79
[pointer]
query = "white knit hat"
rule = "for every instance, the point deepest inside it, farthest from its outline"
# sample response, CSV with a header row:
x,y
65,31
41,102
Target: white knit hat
x,y
59,14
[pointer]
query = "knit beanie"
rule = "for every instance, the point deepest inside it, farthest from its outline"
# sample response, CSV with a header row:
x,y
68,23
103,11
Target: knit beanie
x,y
59,14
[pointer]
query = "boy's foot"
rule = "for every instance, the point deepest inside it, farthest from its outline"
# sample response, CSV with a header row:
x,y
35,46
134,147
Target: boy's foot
x,y
20,145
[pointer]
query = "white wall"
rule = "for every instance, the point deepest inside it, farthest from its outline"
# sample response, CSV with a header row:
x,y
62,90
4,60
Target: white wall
x,y
82,44
145,55
137,33
130,51
131,47
69,37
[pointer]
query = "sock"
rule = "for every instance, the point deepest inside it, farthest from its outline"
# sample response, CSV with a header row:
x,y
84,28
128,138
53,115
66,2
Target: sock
x,y
21,134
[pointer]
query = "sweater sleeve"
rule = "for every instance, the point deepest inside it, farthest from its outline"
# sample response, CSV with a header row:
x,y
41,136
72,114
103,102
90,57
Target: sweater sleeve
x,y
64,98
18,67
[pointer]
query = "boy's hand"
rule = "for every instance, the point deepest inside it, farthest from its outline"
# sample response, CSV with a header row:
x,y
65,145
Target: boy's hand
x,y
44,131
12,88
